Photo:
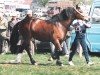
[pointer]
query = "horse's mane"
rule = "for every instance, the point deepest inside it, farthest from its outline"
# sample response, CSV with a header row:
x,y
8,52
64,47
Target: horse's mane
x,y
63,15
67,13
54,18
26,20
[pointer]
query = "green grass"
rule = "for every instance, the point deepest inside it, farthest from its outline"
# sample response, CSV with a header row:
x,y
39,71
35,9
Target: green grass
x,y
46,67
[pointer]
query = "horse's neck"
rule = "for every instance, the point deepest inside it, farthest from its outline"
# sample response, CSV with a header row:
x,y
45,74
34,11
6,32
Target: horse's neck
x,y
66,23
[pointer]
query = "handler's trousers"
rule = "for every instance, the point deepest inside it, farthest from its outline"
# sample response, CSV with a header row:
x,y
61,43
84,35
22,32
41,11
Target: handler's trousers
x,y
84,47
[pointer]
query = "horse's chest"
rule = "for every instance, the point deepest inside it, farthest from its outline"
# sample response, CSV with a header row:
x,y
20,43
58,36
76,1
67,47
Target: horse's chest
x,y
59,32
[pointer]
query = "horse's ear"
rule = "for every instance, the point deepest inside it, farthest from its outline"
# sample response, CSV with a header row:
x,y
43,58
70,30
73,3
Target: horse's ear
x,y
77,6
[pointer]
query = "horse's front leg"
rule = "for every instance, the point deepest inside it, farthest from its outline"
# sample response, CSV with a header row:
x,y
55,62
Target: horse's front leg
x,y
27,48
58,50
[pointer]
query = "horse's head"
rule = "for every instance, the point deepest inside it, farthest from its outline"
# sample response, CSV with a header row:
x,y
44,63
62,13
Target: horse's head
x,y
72,13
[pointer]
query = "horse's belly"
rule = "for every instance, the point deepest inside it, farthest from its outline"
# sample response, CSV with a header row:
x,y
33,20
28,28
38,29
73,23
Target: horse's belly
x,y
42,37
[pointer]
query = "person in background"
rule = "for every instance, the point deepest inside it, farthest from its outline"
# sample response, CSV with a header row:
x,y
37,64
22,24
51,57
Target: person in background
x,y
66,45
56,10
12,23
3,30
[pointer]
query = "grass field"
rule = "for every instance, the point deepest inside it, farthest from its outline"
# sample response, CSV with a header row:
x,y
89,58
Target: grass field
x,y
46,67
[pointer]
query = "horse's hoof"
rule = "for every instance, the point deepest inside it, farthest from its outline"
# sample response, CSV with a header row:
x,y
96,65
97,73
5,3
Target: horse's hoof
x,y
59,63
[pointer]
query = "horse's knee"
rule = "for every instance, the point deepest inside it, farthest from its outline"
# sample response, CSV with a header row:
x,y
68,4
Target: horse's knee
x,y
20,49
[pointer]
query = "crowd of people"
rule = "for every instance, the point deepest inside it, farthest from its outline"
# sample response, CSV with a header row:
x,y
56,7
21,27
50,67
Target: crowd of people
x,y
6,27
80,27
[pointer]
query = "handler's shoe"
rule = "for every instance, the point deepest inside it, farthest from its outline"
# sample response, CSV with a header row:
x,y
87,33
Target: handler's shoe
x,y
71,63
67,55
90,63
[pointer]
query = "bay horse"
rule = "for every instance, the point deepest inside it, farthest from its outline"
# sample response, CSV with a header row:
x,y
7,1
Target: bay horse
x,y
53,30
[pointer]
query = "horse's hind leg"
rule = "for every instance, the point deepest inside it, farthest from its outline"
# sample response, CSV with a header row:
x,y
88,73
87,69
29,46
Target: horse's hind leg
x,y
27,48
19,56
20,53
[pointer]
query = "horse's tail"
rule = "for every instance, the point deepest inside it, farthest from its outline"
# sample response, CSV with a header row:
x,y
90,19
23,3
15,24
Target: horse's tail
x,y
14,38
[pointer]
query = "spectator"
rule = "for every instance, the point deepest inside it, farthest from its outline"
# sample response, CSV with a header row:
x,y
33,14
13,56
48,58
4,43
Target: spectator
x,y
12,23
56,11
3,30
67,41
